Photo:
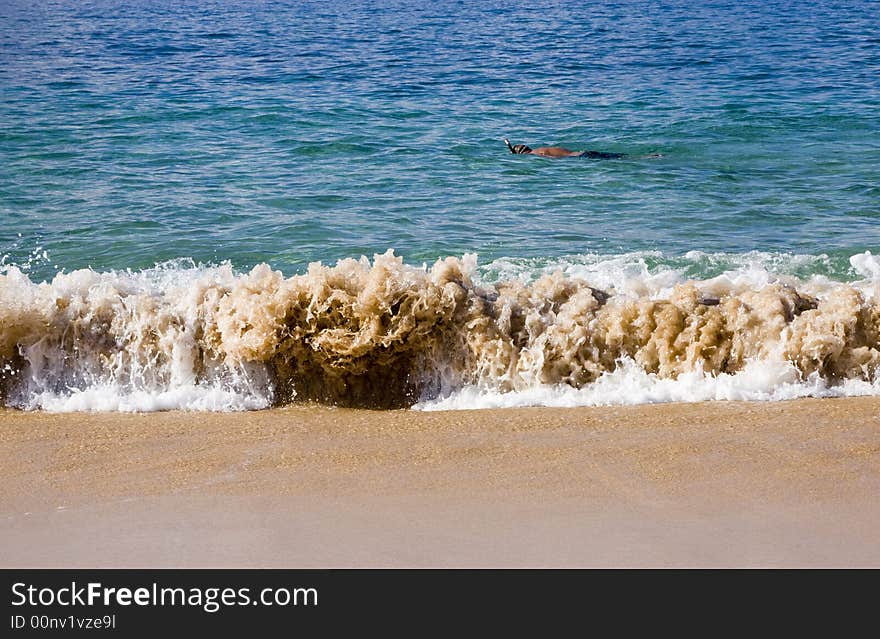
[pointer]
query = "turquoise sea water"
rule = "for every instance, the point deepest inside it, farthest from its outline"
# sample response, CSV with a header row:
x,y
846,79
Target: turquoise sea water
x,y
285,132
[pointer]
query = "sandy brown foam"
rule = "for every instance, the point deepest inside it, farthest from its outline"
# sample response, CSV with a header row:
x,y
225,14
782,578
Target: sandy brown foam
x,y
383,334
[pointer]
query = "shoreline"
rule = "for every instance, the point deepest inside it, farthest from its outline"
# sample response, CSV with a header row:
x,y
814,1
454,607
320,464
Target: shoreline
x,y
790,483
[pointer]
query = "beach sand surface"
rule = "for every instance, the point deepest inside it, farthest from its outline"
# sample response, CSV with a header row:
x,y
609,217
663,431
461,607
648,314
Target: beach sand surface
x,y
710,484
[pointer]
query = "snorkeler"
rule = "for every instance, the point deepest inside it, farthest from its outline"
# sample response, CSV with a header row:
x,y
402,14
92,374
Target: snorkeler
x,y
560,152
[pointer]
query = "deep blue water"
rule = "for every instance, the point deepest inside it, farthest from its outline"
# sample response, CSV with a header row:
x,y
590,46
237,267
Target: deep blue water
x,y
288,132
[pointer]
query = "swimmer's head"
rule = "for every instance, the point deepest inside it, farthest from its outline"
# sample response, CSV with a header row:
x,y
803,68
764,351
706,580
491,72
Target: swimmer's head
x,y
518,149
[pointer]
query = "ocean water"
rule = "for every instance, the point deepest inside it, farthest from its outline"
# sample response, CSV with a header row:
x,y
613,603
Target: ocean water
x,y
153,153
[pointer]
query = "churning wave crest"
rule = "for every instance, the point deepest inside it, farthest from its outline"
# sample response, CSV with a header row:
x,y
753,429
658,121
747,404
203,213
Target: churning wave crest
x,y
586,330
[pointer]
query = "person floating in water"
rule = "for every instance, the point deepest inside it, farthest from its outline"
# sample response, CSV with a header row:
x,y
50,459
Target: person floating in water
x,y
560,152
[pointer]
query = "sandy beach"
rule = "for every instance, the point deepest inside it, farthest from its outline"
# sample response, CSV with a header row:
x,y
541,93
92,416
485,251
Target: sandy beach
x,y
710,484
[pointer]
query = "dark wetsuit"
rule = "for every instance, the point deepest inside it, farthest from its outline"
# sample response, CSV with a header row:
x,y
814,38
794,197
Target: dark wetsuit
x,y
601,155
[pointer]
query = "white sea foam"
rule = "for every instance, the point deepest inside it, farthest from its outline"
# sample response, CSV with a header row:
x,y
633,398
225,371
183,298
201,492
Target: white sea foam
x,y
629,385
108,398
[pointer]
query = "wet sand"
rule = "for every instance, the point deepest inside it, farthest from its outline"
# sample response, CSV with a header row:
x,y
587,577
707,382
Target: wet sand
x,y
711,484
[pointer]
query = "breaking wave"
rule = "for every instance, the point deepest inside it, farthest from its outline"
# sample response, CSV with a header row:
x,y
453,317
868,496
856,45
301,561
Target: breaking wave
x,y
584,330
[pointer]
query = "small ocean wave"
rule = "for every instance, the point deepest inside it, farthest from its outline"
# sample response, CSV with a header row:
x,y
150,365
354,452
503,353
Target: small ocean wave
x,y
581,330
